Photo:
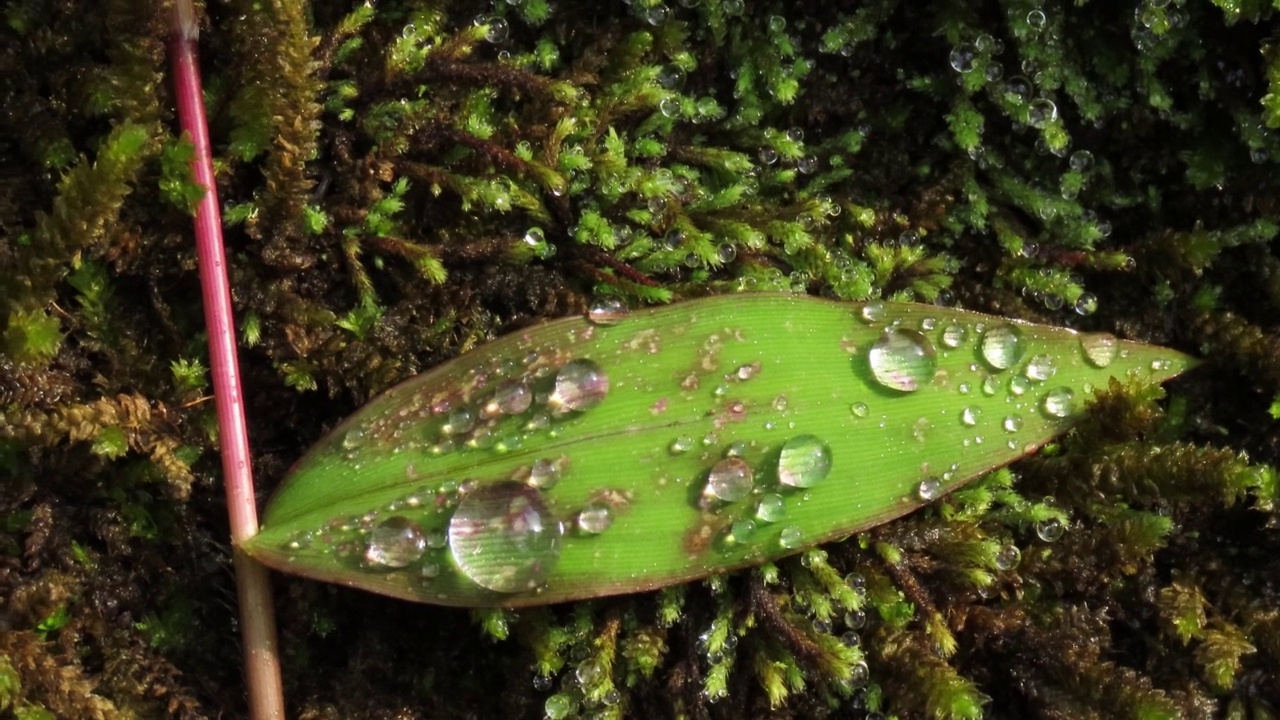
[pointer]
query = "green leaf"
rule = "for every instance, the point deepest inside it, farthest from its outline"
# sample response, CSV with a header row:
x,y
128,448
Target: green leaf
x,y
576,460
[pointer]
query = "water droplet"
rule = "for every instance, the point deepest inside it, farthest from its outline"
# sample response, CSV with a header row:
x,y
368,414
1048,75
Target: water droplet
x,y
1036,19
1007,557
768,155
395,543
657,14
859,410
969,416
990,385
855,619
953,335
929,489
746,372
859,674
498,30
771,508
512,397
502,538
545,473
805,461
1050,530
595,518
962,57
534,237
791,537
458,422
1099,349
558,706
1059,403
1041,112
354,438
671,77
903,360
1002,346
669,107
680,445
608,310
740,531
437,539
1086,304
873,312
1081,160
777,23
542,683
1012,423
580,385
729,480
1041,367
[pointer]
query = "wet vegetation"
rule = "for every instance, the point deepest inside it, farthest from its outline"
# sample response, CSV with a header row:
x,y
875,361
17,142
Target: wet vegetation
x,y
406,180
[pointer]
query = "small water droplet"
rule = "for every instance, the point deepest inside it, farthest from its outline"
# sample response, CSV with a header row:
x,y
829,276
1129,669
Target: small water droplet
x,y
805,461
740,531
746,372
963,57
929,489
595,518
545,472
1002,346
558,706
1012,423
1007,557
498,30
1041,112
580,385
954,335
729,480
855,619
1041,367
608,310
859,410
512,397
681,445
791,537
859,674
873,312
670,107
1050,530
503,539
990,385
542,683
354,438
1019,385
395,543
771,508
1059,402
969,416
1099,349
903,360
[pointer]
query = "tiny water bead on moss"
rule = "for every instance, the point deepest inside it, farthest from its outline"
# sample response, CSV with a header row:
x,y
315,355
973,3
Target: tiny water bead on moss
x,y
583,458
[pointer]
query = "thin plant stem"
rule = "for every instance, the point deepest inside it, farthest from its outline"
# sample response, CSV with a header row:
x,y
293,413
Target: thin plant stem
x,y
257,618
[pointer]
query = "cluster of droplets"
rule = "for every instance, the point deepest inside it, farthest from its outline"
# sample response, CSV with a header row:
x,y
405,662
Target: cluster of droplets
x,y
498,533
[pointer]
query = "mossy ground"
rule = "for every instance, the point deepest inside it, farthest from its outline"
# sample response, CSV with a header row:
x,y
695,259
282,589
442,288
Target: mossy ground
x,y
406,180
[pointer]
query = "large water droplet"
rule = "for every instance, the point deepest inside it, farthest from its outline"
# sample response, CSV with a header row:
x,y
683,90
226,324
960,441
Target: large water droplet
x,y
1002,346
395,543
903,360
1041,367
729,480
771,508
580,385
805,461
595,518
502,538
1059,403
608,311
1099,349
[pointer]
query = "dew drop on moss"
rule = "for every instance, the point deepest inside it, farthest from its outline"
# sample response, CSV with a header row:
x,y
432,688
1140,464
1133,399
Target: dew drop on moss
x,y
729,480
1002,346
1099,349
1007,557
503,539
1050,530
608,311
558,706
805,461
1058,403
395,543
1041,367
771,508
902,360
580,385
